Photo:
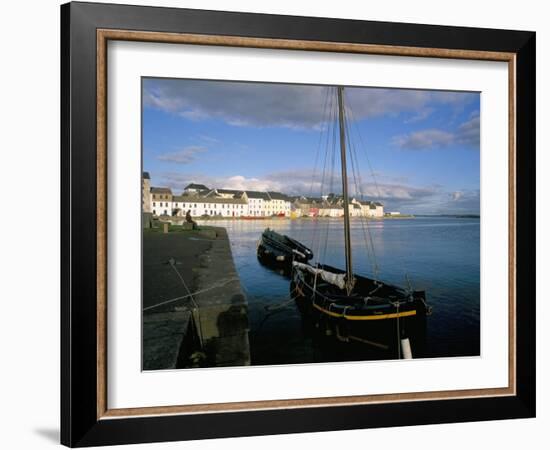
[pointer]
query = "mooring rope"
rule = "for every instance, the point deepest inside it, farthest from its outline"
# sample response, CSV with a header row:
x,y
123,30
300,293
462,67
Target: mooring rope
x,y
283,304
172,263
200,291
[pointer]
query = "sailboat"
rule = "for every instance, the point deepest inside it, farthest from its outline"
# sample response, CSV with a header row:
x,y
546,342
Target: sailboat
x,y
354,308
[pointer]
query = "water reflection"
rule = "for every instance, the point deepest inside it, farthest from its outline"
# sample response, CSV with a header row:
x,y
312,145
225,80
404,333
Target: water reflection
x,y
439,255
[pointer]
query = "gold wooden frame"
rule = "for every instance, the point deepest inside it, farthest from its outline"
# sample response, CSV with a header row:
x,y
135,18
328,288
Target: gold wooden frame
x,y
104,35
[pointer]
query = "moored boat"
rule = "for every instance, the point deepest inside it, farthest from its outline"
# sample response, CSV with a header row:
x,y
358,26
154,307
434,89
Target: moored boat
x,y
355,308
280,251
385,317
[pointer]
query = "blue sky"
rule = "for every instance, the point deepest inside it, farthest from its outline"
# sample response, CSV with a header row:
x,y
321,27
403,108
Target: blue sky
x,y
422,146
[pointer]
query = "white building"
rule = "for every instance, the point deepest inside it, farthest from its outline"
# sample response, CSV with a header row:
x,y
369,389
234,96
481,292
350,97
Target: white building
x,y
161,201
203,201
278,204
378,209
328,210
210,206
355,210
370,209
258,203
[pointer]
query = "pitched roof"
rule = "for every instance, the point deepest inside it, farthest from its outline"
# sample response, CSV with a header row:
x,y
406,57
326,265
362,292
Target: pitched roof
x,y
200,187
279,196
315,200
210,193
146,176
258,194
161,190
209,200
236,193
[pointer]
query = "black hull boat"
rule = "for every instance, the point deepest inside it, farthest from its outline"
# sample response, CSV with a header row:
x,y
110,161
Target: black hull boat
x,y
390,320
278,251
342,304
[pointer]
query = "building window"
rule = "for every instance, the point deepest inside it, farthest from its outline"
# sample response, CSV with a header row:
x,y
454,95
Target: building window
x,y
165,212
155,212
154,204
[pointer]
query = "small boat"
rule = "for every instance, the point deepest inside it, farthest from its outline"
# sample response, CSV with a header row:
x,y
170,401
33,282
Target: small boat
x,y
280,251
355,308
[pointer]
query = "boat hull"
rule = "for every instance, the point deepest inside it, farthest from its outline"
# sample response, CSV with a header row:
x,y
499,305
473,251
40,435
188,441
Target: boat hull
x,y
278,251
379,323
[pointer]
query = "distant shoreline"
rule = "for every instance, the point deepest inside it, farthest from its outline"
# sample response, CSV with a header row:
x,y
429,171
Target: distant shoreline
x,y
455,216
180,219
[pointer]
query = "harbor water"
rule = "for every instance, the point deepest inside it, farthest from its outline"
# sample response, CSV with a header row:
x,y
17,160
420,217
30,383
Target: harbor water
x,y
437,254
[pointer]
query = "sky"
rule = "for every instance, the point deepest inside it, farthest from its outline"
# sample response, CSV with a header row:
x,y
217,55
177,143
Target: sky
x,y
416,151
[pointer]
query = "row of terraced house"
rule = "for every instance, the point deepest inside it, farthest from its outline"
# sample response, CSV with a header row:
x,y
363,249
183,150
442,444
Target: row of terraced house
x,y
202,201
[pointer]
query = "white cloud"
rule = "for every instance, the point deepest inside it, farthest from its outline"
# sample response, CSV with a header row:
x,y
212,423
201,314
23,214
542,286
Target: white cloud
x,y
421,115
457,195
467,134
184,156
425,139
404,197
280,105
298,182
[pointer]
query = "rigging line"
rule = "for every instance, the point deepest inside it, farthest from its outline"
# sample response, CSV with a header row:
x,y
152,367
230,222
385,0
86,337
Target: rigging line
x,y
325,104
367,235
371,253
365,151
314,235
369,248
321,255
358,133
319,144
317,230
331,182
330,186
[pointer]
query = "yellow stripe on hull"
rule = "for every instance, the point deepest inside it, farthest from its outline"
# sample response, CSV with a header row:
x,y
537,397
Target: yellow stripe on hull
x,y
370,317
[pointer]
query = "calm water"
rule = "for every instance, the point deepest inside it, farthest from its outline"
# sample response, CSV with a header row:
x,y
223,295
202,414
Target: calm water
x,y
439,255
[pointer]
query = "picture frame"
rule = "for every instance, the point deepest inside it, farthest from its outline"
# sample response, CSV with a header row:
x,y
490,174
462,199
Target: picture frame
x,y
86,418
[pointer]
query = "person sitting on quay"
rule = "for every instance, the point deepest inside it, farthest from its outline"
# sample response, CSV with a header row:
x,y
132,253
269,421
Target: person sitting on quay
x,y
190,220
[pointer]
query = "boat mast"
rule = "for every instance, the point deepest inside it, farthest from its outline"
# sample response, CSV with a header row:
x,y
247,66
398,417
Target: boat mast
x,y
349,270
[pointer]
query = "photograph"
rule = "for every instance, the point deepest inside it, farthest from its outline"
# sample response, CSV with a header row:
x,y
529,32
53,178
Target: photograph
x,y
303,224
283,222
